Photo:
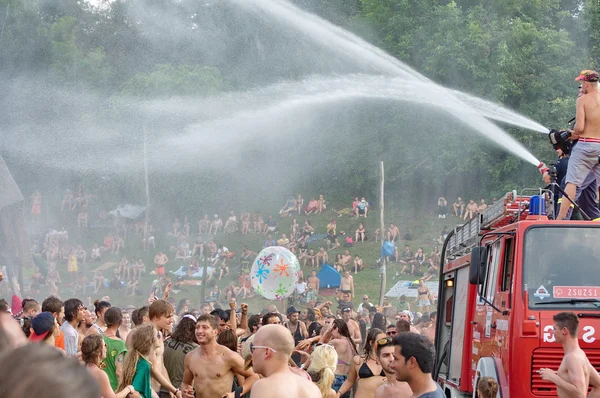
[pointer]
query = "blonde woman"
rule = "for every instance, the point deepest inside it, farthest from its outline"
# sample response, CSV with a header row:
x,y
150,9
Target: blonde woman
x,y
323,362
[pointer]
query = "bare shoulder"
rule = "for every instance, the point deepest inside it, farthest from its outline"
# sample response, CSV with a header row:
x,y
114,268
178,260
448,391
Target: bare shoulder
x,y
260,389
381,391
231,357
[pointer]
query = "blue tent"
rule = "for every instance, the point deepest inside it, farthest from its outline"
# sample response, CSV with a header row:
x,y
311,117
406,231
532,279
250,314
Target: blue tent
x,y
329,277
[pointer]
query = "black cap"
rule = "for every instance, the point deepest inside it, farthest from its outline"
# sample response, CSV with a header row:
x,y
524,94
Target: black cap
x,y
292,310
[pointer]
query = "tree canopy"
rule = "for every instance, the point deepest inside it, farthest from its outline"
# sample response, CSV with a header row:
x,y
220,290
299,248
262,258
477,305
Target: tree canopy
x,y
98,54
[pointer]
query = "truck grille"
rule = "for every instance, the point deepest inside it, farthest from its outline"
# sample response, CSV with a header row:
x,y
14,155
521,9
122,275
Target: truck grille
x,y
551,358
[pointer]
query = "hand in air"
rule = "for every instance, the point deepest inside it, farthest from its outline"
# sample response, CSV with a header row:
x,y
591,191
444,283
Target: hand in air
x,y
244,308
304,344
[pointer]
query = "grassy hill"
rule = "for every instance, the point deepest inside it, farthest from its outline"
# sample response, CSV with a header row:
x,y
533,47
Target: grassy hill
x,y
422,228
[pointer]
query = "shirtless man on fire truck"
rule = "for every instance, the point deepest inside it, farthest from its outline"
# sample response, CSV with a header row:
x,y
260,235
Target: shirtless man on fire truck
x,y
576,372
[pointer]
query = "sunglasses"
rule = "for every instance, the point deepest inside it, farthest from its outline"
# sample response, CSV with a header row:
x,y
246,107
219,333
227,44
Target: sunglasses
x,y
392,333
253,347
383,342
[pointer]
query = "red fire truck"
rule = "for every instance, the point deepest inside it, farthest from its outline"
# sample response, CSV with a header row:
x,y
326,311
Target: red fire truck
x,y
504,274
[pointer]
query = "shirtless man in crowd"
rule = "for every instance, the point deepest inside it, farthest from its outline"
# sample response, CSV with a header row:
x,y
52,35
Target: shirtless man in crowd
x,y
210,369
271,350
313,286
576,372
347,284
353,326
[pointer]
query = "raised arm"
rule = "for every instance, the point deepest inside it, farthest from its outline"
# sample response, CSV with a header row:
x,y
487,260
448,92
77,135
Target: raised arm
x,y
244,320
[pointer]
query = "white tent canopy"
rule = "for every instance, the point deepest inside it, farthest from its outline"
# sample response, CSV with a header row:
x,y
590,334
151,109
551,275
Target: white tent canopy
x,y
128,211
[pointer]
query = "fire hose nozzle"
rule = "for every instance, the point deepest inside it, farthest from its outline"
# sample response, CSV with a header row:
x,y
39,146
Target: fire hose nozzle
x,y
543,168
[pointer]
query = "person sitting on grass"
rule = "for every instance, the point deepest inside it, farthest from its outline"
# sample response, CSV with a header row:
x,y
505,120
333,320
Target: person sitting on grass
x,y
482,206
361,233
358,264
216,225
332,241
322,257
393,233
312,207
346,258
223,269
288,208
283,241
311,258
362,208
420,258
270,226
407,258
241,290
231,225
458,207
471,210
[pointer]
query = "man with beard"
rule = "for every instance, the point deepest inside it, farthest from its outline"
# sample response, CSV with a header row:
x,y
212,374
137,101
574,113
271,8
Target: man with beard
x,y
392,387
271,350
297,328
413,363
210,369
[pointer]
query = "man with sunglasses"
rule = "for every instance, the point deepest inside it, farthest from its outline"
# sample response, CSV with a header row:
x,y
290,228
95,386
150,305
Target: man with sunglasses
x,y
271,351
391,330
392,387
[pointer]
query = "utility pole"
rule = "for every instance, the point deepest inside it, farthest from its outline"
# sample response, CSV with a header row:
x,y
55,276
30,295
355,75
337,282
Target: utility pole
x,y
382,234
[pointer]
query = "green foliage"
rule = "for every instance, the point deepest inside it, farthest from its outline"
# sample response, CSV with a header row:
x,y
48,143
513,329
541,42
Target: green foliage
x,y
523,54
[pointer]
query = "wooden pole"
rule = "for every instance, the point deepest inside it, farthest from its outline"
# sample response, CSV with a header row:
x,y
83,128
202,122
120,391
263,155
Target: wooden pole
x,y
382,234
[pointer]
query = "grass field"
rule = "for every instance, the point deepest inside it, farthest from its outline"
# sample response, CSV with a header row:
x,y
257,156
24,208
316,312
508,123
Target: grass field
x,y
424,229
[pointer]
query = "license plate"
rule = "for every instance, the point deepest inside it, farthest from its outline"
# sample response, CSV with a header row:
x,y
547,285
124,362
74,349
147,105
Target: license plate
x,y
578,292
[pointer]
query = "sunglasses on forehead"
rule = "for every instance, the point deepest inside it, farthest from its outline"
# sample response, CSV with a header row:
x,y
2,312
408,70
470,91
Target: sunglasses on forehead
x,y
383,342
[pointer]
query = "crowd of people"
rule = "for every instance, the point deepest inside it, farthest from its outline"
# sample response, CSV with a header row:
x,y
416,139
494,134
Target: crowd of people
x,y
460,209
203,350
183,250
136,352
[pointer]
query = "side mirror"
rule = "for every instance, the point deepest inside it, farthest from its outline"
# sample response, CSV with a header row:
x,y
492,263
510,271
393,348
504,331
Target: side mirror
x,y
477,265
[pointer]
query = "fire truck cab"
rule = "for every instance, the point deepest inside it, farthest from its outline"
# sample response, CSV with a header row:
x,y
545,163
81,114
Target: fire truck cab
x,y
504,275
